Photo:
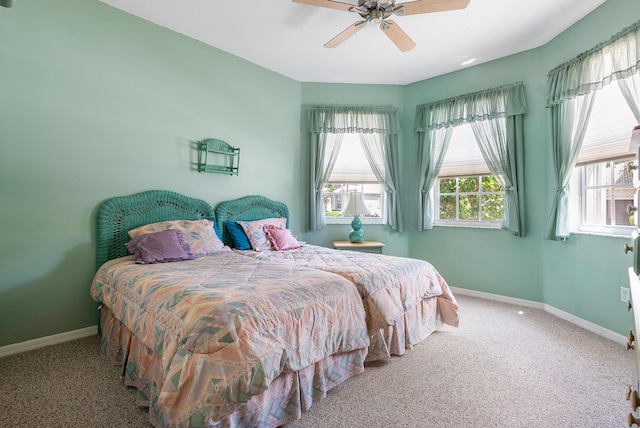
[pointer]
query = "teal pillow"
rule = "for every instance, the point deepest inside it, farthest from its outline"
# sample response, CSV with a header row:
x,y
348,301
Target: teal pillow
x,y
239,238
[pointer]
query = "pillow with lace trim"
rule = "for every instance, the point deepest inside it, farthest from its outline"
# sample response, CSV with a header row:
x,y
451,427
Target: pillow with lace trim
x,y
281,239
255,231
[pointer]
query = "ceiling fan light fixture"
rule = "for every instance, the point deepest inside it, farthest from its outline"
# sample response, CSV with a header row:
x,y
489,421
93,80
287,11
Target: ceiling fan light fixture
x,y
375,16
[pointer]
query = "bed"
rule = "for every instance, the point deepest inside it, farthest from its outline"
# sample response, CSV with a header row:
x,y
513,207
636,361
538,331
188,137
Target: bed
x,y
405,299
221,340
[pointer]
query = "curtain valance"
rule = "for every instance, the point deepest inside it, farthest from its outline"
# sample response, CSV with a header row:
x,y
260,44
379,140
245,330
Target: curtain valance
x,y
503,101
617,58
349,119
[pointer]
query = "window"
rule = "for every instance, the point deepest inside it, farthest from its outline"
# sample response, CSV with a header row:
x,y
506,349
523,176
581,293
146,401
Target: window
x,y
377,128
607,191
604,172
352,173
466,193
473,199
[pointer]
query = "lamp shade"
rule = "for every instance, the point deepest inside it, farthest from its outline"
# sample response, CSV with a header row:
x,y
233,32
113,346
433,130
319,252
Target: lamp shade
x,y
635,139
355,206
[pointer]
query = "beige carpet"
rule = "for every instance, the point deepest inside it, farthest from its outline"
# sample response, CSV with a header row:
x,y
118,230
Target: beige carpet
x,y
499,369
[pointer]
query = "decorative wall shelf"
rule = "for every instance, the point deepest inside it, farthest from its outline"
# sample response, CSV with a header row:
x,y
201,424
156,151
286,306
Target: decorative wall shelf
x,y
218,157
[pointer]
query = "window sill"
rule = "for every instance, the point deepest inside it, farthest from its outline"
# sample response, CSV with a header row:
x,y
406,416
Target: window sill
x,y
348,220
602,234
468,225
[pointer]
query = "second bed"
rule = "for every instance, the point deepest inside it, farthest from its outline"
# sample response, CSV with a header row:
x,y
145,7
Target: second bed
x,y
405,299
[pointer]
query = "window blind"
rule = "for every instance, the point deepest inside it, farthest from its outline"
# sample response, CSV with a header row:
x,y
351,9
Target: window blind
x,y
463,157
609,129
351,164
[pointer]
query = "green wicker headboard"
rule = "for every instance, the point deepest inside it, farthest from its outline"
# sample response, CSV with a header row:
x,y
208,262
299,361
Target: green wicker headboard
x,y
248,208
117,216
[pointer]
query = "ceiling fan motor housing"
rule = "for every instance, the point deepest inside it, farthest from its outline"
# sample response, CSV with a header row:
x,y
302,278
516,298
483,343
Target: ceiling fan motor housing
x,y
375,11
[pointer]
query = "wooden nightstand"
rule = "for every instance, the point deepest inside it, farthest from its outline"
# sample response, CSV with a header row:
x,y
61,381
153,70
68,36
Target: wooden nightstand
x,y
366,246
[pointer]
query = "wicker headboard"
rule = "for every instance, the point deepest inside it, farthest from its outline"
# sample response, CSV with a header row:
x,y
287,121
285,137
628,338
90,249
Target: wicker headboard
x,y
117,216
248,208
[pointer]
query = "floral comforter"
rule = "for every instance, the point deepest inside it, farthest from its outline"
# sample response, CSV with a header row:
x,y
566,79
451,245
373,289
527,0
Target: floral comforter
x,y
226,325
389,286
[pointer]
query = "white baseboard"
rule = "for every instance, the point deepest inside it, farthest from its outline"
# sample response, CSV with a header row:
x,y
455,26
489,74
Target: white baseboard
x,y
589,326
41,342
498,298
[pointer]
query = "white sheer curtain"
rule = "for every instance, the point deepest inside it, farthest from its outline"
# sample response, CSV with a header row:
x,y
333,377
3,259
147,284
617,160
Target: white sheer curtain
x,y
498,150
630,88
324,152
382,153
568,125
432,146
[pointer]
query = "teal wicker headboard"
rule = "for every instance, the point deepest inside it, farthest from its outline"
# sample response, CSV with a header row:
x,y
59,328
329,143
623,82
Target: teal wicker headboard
x,y
248,208
117,216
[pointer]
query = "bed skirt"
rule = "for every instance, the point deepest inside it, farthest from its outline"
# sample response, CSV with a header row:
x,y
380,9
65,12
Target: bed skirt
x,y
287,397
410,328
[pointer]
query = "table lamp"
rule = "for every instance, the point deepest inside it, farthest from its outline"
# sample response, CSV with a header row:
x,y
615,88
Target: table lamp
x,y
355,207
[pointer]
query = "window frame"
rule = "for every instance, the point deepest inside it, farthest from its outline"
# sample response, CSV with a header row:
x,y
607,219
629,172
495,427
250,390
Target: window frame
x,y
464,141
581,208
365,220
483,224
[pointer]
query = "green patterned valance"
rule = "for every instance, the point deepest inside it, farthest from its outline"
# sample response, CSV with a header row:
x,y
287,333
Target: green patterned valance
x,y
503,101
617,58
350,120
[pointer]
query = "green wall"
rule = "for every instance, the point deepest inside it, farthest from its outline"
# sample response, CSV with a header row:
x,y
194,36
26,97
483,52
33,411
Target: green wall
x,y
490,260
581,276
96,103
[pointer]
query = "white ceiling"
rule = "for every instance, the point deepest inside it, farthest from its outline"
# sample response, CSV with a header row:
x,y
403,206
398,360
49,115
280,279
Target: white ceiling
x,y
288,37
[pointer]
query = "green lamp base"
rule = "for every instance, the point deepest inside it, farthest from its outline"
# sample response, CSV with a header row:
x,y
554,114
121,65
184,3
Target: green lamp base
x,y
357,235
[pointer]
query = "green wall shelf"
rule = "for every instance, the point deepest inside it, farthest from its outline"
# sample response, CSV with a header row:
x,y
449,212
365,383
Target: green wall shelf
x,y
218,157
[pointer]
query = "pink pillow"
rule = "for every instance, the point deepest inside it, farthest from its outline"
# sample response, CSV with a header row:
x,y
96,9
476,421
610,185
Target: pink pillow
x,y
281,239
255,231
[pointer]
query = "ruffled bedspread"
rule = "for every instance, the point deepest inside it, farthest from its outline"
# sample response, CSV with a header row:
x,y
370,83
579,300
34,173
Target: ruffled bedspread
x,y
224,326
389,286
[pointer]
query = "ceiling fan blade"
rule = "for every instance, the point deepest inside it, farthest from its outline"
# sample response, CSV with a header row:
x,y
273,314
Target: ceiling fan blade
x,y
397,36
327,3
342,37
429,6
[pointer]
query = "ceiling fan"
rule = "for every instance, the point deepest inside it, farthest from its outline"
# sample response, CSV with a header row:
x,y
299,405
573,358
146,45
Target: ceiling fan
x,y
378,12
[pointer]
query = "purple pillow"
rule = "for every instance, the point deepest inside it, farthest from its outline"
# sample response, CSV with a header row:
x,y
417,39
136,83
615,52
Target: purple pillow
x,y
159,247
